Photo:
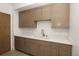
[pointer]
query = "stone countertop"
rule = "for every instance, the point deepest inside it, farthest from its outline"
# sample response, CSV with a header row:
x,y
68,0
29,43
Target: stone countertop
x,y
63,41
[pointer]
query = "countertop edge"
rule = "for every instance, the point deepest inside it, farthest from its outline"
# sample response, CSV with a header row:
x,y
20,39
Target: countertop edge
x,y
30,37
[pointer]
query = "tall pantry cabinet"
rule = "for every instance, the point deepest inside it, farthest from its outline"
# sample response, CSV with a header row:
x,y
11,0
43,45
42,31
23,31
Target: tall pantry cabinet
x,y
4,32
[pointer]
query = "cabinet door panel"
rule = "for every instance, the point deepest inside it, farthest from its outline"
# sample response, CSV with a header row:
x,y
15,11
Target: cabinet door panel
x,y
46,10
65,50
27,19
60,15
53,49
4,32
34,48
38,13
27,45
43,12
21,20
31,46
19,43
44,50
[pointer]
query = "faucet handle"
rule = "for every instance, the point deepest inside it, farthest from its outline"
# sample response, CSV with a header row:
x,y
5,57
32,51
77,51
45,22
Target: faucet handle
x,y
42,31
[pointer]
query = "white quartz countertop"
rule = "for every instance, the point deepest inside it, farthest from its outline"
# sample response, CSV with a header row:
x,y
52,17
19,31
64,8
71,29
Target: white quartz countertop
x,y
64,41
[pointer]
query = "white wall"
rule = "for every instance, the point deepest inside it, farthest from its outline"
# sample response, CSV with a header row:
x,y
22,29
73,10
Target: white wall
x,y
19,5
25,6
6,8
74,27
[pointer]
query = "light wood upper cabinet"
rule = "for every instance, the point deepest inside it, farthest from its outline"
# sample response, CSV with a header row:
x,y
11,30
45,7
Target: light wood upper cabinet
x,y
29,17
26,19
43,13
46,12
60,15
57,13
38,13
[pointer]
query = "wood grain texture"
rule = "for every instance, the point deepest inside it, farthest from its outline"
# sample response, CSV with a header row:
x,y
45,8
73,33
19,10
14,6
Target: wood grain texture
x,y
26,19
60,15
43,48
4,32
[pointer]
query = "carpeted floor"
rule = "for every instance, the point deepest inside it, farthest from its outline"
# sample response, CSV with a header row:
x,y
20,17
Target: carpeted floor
x,y
14,53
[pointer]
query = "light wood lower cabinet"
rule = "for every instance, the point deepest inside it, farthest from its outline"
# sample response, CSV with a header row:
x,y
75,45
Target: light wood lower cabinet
x,y
19,43
34,48
42,48
27,46
64,50
54,49
31,47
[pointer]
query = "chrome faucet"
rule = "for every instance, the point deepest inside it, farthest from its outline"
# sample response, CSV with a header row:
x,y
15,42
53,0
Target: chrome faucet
x,y
43,33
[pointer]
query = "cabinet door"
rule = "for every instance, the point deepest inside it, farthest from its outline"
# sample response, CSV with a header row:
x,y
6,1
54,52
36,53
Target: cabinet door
x,y
31,46
32,18
60,15
27,45
43,12
38,13
4,32
46,12
54,49
44,49
26,19
34,47
65,50
19,43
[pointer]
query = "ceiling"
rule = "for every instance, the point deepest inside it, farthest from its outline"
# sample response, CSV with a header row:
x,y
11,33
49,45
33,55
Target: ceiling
x,y
25,6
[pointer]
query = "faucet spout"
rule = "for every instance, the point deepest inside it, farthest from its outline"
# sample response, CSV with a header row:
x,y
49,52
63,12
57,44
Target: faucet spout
x,y
43,33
